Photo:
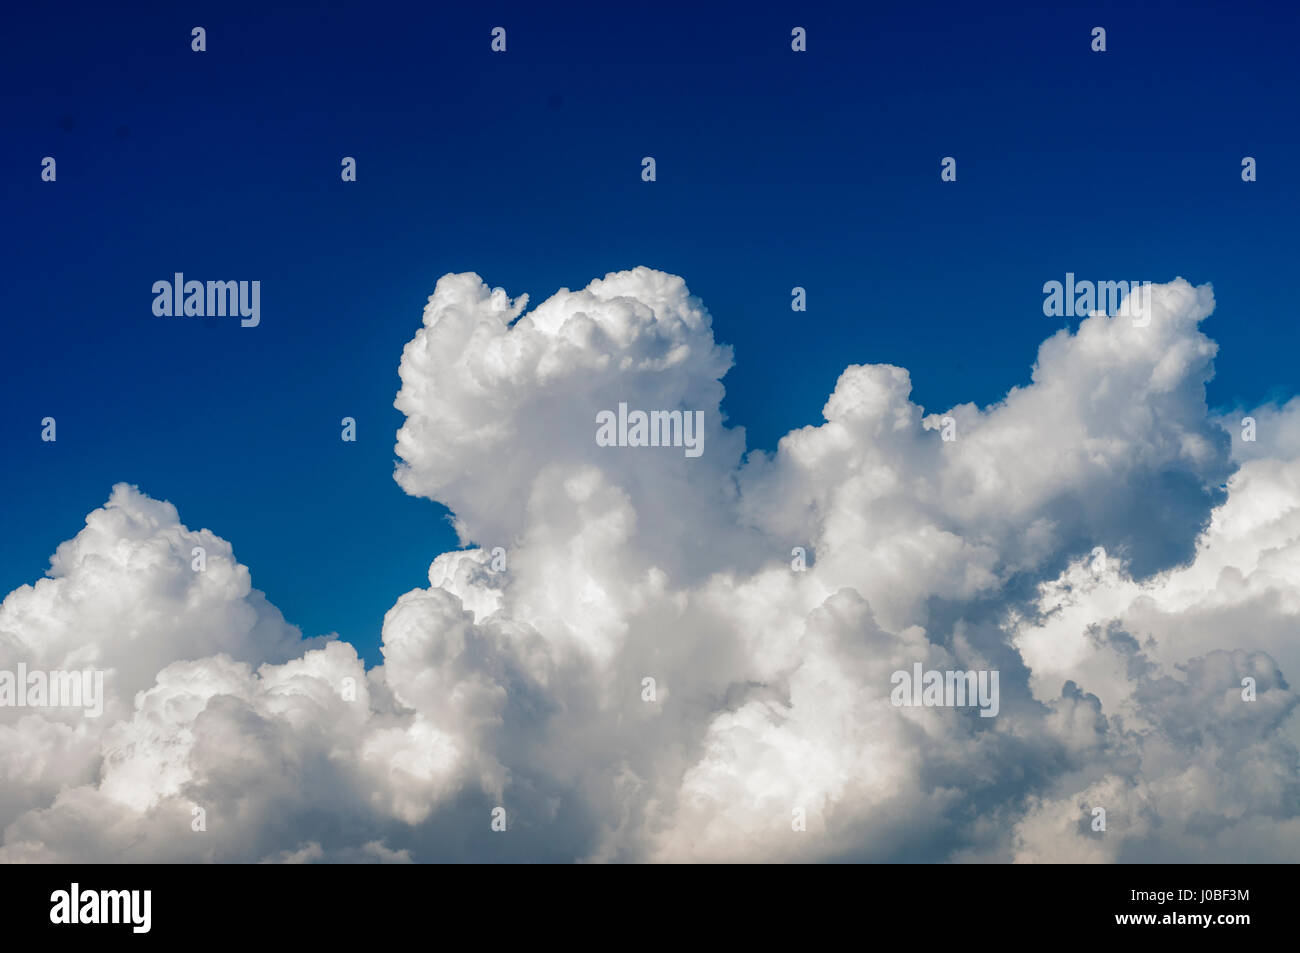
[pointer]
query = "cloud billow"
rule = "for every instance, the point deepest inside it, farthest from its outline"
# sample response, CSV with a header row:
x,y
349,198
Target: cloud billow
x,y
524,685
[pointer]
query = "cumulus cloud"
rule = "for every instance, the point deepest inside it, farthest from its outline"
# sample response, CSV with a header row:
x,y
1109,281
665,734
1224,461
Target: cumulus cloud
x,y
627,660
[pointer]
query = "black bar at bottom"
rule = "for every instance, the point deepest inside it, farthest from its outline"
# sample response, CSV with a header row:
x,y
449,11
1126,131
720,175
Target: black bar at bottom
x,y
942,904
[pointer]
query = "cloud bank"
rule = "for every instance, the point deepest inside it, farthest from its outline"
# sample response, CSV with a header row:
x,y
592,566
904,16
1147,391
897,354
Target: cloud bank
x,y
1123,558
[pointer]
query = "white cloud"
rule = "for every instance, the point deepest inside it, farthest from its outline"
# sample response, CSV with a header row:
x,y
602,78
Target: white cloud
x,y
524,688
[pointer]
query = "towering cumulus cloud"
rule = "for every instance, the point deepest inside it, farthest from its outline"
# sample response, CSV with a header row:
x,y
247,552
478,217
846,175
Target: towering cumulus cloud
x,y
645,655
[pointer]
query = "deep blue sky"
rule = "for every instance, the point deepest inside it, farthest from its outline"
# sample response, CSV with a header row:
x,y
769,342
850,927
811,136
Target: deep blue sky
x,y
776,169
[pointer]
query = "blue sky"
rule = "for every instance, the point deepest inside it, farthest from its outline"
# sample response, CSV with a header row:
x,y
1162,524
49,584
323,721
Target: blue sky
x,y
775,169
